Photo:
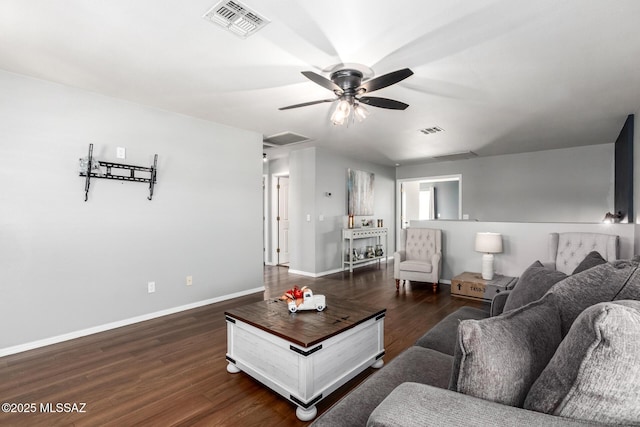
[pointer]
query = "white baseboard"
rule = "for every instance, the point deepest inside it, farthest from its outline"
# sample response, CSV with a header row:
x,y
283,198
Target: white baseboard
x,y
308,274
336,270
125,322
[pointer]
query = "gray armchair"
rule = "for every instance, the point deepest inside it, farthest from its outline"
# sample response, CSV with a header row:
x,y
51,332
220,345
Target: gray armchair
x,y
567,250
421,258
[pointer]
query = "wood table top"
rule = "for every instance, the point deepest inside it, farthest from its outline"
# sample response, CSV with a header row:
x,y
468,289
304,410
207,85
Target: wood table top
x,y
307,327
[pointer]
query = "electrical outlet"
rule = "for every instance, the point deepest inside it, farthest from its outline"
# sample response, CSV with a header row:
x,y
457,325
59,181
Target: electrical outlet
x,y
151,287
189,280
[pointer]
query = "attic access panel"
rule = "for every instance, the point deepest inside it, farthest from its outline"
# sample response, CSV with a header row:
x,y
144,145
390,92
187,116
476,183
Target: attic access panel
x,y
285,138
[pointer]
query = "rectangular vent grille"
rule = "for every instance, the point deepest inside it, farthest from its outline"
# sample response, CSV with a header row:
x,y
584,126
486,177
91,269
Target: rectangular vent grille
x,y
236,17
429,131
456,156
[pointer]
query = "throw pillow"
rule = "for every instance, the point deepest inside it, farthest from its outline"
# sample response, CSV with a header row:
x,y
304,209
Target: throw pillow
x,y
592,259
534,282
595,373
499,358
604,282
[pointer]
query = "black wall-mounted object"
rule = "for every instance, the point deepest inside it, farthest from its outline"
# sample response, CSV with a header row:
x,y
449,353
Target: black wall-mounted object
x,y
623,187
108,175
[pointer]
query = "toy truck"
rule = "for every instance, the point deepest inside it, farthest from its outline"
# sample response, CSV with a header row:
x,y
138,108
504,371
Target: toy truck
x,y
309,302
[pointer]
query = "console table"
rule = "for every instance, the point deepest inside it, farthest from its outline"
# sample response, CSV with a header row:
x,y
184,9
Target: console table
x,y
351,234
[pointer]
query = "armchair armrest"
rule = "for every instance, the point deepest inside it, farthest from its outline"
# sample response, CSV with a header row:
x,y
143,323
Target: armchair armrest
x,y
419,405
398,257
436,265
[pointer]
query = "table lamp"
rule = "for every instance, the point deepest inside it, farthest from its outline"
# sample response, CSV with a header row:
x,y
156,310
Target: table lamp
x,y
488,244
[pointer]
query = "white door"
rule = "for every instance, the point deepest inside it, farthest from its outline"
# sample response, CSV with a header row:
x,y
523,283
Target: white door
x,y
283,220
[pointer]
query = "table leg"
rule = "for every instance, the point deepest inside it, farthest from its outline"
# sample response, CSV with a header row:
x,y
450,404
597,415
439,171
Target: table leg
x,y
232,369
306,414
378,364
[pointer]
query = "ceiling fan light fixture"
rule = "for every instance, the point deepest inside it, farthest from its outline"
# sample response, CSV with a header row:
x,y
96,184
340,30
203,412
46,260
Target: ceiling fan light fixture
x,y
360,112
341,113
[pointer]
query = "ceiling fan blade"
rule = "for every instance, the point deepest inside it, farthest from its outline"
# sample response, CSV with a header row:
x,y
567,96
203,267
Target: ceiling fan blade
x,y
324,82
390,104
304,104
385,80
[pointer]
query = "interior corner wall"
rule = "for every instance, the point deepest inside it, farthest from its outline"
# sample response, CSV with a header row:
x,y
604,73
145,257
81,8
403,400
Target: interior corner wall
x,y
67,265
563,185
316,244
302,187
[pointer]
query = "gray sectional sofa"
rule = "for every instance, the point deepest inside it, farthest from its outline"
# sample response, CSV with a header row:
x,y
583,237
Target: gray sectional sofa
x,y
565,351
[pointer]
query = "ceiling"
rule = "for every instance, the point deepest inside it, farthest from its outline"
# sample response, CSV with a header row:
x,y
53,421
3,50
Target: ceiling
x,y
498,76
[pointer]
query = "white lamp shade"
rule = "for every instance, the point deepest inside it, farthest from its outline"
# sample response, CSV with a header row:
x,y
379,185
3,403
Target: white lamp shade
x,y
489,243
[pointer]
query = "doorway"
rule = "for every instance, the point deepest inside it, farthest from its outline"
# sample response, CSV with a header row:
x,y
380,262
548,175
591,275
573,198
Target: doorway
x,y
282,221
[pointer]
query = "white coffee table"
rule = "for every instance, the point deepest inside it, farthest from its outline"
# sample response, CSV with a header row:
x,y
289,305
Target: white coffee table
x,y
304,356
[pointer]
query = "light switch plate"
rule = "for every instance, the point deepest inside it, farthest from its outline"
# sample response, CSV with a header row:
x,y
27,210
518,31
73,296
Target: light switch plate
x,y
121,153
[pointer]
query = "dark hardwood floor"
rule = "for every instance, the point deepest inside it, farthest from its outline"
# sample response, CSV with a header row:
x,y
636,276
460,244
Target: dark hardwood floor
x,y
172,370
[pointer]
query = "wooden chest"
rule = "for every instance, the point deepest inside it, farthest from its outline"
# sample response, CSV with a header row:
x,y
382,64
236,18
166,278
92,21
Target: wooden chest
x,y
473,286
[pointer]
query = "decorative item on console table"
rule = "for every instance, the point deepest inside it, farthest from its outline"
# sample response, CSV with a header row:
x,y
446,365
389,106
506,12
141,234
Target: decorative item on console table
x,y
473,286
379,250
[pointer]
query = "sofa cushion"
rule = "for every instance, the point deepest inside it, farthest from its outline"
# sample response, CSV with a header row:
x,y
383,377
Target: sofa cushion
x,y
442,337
416,364
420,405
605,282
533,283
595,373
499,358
414,265
592,259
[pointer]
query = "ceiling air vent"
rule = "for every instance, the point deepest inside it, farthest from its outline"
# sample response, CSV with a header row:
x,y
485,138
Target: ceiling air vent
x,y
236,17
285,138
429,131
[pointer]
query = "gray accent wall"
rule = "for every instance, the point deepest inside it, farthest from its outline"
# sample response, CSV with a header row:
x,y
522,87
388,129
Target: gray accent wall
x,y
563,185
67,265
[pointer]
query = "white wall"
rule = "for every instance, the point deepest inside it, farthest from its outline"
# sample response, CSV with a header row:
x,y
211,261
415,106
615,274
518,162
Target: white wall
x,y
302,189
67,266
523,243
564,185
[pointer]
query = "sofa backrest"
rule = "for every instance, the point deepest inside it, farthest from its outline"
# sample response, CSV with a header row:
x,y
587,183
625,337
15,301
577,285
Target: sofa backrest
x,y
567,250
422,243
